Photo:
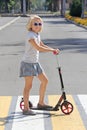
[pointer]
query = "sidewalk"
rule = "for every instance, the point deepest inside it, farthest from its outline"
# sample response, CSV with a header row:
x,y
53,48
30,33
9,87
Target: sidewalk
x,y
42,14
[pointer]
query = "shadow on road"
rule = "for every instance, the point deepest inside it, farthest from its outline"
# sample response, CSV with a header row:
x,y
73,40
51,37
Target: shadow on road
x,y
56,22
19,117
76,45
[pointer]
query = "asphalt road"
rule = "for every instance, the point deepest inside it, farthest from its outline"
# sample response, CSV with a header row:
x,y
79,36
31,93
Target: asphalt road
x,y
58,33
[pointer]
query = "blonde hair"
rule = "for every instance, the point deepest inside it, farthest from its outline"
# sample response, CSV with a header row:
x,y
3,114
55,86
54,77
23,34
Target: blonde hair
x,y
29,24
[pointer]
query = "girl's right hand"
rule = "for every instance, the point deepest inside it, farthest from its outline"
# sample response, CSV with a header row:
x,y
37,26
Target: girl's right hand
x,y
56,51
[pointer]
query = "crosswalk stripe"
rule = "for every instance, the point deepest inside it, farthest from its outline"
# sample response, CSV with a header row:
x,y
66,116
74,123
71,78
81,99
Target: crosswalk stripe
x,y
83,100
26,122
82,107
11,113
4,108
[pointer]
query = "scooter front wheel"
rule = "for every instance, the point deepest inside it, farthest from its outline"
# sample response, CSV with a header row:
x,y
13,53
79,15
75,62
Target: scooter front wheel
x,y
66,107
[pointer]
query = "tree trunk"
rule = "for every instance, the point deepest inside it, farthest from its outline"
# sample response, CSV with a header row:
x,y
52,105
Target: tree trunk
x,y
21,6
56,5
6,6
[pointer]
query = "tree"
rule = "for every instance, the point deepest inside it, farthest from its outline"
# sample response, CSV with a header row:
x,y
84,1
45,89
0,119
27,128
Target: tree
x,y
76,8
1,4
53,5
21,5
28,2
6,5
11,4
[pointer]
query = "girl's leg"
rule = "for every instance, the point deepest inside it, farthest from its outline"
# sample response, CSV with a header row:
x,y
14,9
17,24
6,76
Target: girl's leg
x,y
43,78
27,88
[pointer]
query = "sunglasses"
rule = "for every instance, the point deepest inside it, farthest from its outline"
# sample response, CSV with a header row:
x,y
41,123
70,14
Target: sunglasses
x,y
37,24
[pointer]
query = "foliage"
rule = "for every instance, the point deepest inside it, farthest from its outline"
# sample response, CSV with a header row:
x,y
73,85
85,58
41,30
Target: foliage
x,y
37,4
77,20
48,5
11,4
76,8
52,5
7,4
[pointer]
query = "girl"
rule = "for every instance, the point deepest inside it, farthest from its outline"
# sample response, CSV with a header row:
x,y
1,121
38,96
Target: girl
x,y
30,65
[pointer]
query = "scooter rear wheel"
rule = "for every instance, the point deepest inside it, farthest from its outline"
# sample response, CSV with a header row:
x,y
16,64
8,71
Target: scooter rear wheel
x,y
22,104
66,107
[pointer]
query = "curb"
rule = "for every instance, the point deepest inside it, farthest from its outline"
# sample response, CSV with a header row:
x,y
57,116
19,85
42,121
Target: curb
x,y
85,27
13,15
28,15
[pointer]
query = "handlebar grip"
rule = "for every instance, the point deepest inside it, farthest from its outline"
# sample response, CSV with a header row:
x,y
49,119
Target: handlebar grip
x,y
55,53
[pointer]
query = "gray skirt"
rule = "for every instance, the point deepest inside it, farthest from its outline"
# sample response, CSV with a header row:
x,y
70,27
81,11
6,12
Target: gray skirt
x,y
30,69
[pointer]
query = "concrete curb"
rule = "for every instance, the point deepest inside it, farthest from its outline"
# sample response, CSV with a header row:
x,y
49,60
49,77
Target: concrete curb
x,y
28,15
85,27
13,15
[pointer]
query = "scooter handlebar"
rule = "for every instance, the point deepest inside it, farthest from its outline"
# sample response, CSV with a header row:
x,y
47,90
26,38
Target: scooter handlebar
x,y
55,52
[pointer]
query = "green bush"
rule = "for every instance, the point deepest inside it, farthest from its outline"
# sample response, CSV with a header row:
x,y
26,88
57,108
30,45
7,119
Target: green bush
x,y
76,8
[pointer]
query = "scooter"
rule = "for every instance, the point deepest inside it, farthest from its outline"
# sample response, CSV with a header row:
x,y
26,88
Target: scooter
x,y
65,106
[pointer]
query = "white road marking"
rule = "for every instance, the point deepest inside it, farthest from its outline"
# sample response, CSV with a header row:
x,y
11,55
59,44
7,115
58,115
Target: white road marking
x,y
83,101
12,21
28,122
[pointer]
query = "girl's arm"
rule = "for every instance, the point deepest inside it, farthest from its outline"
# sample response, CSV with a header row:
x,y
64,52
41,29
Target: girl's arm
x,y
41,47
56,51
42,44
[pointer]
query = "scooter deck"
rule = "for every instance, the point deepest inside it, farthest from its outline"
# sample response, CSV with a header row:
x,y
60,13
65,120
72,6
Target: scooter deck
x,y
45,109
42,109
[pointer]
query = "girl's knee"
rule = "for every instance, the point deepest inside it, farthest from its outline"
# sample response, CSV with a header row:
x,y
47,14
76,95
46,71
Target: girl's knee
x,y
43,78
45,81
